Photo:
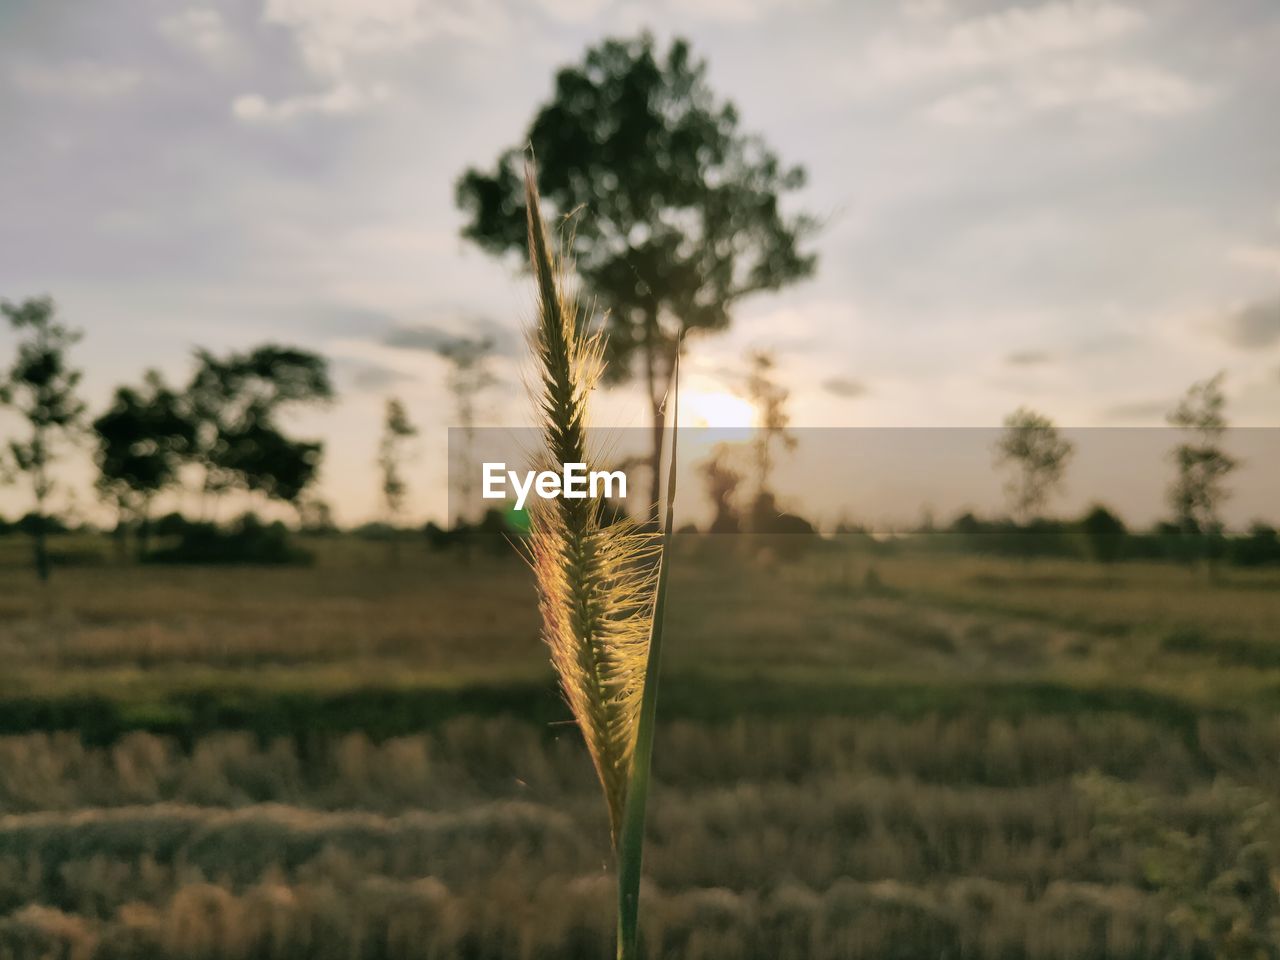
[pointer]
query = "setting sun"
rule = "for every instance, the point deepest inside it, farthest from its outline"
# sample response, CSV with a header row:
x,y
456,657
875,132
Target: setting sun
x,y
715,408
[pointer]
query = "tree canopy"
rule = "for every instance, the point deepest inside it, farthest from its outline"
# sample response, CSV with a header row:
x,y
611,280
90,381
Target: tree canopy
x,y
1037,456
397,429
1199,486
141,441
41,387
234,403
676,211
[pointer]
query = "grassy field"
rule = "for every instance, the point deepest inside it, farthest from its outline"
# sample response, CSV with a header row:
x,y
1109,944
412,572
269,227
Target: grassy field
x,y
861,754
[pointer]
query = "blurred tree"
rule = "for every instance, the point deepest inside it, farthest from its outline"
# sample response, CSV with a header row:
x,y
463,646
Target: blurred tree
x,y
315,517
41,388
1261,546
722,480
770,400
141,441
234,404
768,517
1037,456
682,207
469,376
396,432
1104,533
1199,487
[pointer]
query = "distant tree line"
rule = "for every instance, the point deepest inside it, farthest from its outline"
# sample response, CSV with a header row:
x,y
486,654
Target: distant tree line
x,y
217,438
220,433
1101,535
684,219
1034,457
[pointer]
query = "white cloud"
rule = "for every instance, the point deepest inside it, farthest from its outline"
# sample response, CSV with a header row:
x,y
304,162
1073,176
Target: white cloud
x,y
924,10
330,33
628,15
76,80
200,29
1007,38
1256,256
729,11
1142,89
1085,87
573,11
339,100
333,34
336,39
1005,66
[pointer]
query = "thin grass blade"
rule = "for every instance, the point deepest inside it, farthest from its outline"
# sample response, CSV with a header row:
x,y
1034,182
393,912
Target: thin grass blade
x,y
631,837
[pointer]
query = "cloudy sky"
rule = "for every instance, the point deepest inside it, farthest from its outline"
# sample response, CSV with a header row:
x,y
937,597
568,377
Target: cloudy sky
x,y
1073,205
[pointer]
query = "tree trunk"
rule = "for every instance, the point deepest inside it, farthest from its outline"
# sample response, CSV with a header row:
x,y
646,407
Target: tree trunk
x,y
143,535
38,534
120,536
41,551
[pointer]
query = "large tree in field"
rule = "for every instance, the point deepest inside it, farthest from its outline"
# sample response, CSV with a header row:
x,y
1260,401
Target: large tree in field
x,y
397,431
468,378
40,387
676,211
142,439
235,402
1199,485
769,397
722,479
1036,456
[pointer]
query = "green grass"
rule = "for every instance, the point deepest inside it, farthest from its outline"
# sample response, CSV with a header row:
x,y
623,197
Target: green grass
x,y
859,755
353,644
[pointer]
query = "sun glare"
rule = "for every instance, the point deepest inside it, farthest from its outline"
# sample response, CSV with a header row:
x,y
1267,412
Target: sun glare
x,y
717,409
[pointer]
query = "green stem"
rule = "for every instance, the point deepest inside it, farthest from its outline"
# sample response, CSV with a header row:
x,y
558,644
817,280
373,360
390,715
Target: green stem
x,y
631,836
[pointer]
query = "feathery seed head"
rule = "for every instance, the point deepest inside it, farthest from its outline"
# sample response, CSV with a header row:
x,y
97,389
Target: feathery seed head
x,y
596,582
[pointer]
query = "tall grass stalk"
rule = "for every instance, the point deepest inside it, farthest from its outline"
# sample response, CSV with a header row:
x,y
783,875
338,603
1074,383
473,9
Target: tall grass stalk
x,y
631,846
601,586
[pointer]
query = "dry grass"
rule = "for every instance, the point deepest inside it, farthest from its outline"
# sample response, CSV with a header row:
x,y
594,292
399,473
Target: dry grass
x,y
351,610
942,619
768,839
911,764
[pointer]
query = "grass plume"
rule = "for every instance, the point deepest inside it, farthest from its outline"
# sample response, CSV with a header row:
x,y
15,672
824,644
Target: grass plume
x,y
596,581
